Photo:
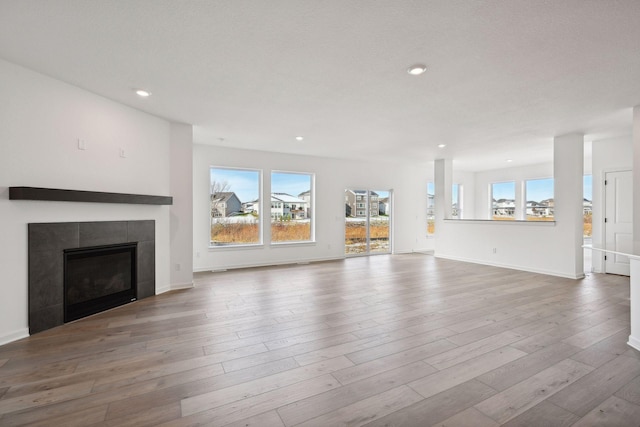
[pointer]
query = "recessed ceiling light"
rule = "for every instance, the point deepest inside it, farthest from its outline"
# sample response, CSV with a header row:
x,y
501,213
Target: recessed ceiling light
x,y
509,160
442,145
299,138
143,93
417,69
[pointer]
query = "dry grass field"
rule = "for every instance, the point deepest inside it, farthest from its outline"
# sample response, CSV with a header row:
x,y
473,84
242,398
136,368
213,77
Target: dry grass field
x,y
222,233
290,231
225,233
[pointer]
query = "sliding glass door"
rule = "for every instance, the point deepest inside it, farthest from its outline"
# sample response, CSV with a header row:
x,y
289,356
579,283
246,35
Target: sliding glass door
x,y
367,222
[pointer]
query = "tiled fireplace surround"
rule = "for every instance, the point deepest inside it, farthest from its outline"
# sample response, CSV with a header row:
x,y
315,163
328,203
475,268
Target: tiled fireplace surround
x,y
47,241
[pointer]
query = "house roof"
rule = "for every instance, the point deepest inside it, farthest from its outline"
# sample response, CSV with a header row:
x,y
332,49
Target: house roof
x,y
223,196
286,198
503,78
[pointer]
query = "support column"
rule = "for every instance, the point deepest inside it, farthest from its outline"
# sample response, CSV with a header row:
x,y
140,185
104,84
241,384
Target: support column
x,y
521,203
634,293
442,183
636,179
568,171
181,212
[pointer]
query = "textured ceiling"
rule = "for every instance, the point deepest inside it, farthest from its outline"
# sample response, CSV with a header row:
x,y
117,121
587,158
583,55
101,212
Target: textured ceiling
x,y
503,78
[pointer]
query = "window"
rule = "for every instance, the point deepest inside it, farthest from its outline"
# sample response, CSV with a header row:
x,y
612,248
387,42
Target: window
x,y
431,212
503,200
292,207
234,206
456,201
587,205
539,199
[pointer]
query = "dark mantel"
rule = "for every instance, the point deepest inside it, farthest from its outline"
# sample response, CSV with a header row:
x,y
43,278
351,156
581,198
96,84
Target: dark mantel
x,y
59,195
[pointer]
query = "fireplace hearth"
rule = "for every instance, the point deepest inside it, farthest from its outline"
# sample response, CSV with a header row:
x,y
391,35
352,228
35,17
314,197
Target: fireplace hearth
x,y
54,247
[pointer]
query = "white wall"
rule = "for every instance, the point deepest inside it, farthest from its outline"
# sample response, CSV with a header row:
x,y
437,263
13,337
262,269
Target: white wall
x,y
409,183
609,155
525,246
40,122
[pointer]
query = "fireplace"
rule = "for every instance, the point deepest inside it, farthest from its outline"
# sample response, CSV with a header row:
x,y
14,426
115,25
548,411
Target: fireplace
x,y
98,278
108,263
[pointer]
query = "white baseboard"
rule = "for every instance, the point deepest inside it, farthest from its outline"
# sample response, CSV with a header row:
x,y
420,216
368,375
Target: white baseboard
x,y
634,342
177,286
512,267
14,336
162,290
265,264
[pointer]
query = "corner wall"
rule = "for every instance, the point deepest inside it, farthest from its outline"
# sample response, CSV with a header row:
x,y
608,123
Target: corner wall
x,y
41,120
333,176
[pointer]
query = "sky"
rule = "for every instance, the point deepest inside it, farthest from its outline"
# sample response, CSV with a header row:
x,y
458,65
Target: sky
x,y
246,183
539,189
290,183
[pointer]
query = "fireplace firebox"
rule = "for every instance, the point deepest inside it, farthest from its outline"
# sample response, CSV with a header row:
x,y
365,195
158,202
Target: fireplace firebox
x,y
98,279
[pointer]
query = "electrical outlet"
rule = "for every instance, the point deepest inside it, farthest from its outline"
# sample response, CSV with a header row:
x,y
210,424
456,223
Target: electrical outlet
x,y
123,153
495,250
82,144
178,267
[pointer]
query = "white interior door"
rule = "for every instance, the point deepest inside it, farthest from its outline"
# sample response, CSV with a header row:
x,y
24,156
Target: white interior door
x,y
618,221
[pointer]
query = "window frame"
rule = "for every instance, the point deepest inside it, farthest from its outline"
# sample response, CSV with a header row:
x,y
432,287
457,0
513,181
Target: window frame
x,y
282,205
492,214
526,198
260,242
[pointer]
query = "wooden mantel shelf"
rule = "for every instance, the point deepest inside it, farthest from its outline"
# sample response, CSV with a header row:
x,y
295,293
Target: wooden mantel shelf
x,y
59,195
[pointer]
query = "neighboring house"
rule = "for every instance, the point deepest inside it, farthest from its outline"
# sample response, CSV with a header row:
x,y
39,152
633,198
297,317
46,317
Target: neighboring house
x,y
535,208
306,196
540,209
284,205
250,207
455,210
356,200
224,204
587,207
504,207
383,206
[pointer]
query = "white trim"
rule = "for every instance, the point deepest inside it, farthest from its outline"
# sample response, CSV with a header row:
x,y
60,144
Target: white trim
x,y
634,343
177,286
14,336
162,290
266,264
512,267
500,222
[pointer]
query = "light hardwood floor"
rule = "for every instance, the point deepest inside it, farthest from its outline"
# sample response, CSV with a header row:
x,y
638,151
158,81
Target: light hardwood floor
x,y
404,340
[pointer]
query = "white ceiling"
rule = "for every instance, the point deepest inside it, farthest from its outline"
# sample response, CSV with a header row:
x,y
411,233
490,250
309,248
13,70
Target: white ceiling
x,y
504,77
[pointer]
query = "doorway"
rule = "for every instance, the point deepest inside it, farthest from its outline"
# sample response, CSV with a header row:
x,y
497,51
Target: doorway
x,y
618,221
367,222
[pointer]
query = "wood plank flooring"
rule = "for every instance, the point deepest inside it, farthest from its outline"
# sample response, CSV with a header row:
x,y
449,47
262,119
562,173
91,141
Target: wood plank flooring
x,y
397,340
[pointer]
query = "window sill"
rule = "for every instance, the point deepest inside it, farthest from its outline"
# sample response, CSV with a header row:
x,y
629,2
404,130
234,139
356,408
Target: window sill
x,y
235,247
493,221
291,244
